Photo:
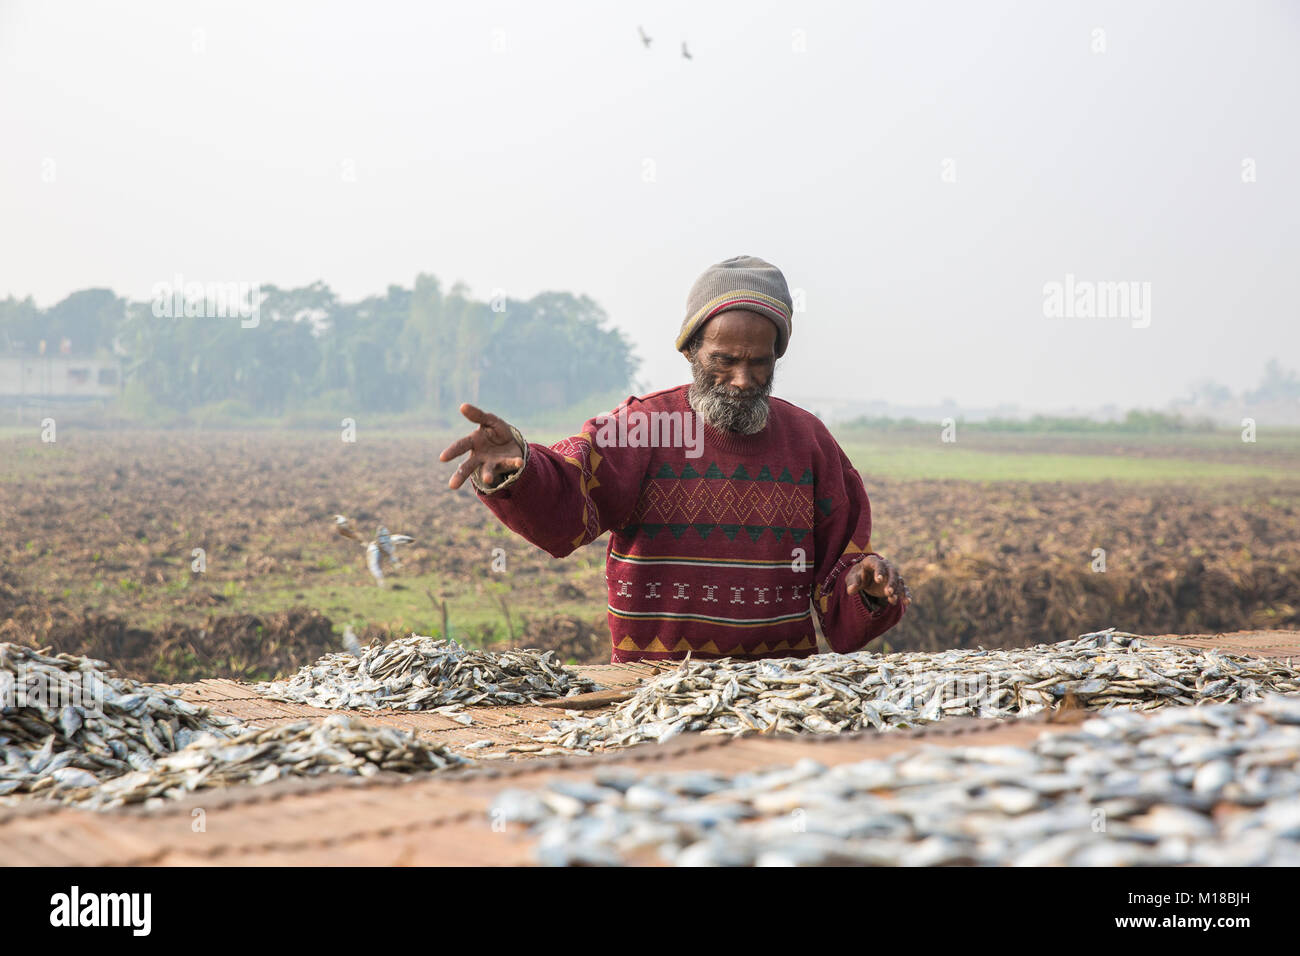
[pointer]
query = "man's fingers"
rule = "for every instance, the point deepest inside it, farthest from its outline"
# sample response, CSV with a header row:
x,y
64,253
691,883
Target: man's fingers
x,y
867,575
457,448
896,590
496,431
493,472
879,578
464,471
490,423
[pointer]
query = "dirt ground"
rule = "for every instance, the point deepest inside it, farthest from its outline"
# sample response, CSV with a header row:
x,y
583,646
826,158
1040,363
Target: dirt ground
x,y
98,533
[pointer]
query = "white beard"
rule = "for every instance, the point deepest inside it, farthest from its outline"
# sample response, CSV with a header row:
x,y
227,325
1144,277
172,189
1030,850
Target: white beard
x,y
723,410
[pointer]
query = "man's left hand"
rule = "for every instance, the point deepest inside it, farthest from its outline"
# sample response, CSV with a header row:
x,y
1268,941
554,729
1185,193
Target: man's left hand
x,y
875,576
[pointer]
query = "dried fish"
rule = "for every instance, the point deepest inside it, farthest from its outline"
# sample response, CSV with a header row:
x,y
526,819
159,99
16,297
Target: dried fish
x,y
339,744
66,720
831,693
1053,802
420,673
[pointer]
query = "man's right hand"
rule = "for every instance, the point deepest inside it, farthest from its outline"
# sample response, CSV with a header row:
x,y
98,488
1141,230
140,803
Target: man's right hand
x,y
493,451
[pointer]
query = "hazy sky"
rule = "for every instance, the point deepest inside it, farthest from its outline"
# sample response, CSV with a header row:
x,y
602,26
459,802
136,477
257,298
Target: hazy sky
x,y
509,145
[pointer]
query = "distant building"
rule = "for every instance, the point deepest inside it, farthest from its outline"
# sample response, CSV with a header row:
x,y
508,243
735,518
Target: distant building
x,y
58,378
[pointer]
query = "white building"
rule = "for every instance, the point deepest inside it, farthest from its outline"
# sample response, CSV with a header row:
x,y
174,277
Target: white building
x,y
58,377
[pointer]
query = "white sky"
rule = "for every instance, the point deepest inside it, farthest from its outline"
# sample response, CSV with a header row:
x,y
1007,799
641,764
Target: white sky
x,y
523,170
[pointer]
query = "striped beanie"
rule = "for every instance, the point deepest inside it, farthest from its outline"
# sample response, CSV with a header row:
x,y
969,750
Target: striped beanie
x,y
745,282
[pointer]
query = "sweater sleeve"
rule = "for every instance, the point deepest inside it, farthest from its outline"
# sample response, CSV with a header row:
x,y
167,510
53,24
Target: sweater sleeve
x,y
843,538
571,493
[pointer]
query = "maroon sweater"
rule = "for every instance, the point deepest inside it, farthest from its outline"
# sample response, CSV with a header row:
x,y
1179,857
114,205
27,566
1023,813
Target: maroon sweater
x,y
725,554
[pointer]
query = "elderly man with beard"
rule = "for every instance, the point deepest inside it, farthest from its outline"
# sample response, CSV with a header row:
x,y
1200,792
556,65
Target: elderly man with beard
x,y
720,548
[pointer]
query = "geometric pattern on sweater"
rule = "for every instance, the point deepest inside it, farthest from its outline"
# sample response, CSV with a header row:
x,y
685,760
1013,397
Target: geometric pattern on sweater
x,y
656,646
696,560
720,621
677,529
578,452
770,504
741,473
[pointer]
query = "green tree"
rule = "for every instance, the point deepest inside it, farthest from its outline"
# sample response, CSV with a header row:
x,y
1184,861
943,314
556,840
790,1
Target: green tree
x,y
407,349
551,351
89,319
21,325
1277,385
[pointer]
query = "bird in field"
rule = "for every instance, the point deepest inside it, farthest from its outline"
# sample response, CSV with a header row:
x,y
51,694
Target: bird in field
x,y
382,546
645,39
372,562
387,544
685,52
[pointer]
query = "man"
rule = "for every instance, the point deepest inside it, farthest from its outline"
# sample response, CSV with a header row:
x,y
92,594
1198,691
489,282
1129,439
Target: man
x,y
734,517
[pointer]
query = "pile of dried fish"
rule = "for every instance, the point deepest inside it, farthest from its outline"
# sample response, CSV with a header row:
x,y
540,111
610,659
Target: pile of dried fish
x,y
66,722
831,693
420,673
339,744
1212,786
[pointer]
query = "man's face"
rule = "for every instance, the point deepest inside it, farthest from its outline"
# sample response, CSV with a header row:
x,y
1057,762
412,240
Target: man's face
x,y
733,364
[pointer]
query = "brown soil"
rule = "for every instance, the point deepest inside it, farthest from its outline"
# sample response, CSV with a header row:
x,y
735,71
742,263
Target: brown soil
x,y
241,646
253,648
1007,565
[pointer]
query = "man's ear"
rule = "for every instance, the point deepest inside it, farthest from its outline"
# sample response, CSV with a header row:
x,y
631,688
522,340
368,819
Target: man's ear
x,y
692,346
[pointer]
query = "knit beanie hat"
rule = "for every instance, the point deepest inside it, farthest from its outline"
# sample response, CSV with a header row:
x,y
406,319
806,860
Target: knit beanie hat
x,y
745,282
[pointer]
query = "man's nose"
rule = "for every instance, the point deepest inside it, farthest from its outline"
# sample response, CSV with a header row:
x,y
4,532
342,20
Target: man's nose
x,y
743,380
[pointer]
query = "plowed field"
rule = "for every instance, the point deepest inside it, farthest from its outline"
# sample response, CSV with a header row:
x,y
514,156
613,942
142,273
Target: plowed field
x,y
98,535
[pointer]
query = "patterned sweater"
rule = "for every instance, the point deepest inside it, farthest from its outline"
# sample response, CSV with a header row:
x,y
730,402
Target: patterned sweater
x,y
719,547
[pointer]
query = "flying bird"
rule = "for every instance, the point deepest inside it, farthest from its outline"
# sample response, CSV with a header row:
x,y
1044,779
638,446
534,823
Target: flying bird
x,y
382,546
645,39
387,544
685,52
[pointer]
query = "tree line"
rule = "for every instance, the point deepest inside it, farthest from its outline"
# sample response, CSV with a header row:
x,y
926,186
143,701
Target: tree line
x,y
418,349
